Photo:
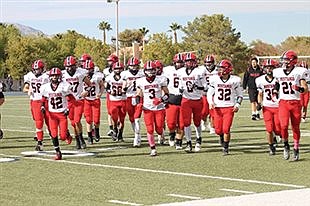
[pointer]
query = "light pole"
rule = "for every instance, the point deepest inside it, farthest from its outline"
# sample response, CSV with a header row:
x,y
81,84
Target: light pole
x,y
116,14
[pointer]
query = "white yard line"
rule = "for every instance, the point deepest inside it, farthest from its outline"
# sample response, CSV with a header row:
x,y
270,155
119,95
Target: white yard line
x,y
124,203
238,191
185,196
171,173
283,198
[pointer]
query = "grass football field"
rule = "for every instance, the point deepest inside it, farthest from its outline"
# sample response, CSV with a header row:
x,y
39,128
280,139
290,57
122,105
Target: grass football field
x,y
115,173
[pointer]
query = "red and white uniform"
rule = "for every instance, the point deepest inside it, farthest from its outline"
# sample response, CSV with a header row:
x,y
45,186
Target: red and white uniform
x,y
92,104
304,97
35,84
289,105
191,104
57,104
134,112
175,97
223,93
106,72
205,105
117,98
270,107
154,115
76,106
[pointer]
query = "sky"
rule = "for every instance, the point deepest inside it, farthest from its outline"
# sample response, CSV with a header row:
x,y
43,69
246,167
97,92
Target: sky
x,y
271,21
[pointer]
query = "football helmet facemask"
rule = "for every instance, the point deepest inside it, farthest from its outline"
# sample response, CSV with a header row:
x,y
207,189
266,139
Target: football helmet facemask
x,y
150,69
209,62
37,67
289,59
70,65
133,65
55,75
225,67
118,67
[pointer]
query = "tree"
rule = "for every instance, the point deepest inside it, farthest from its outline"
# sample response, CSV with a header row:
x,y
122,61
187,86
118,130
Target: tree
x,y
159,47
300,44
104,26
215,35
260,48
143,31
128,36
173,28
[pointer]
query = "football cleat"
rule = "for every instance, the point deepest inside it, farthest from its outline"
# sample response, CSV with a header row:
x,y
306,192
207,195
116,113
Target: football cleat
x,y
257,117
58,156
1,134
153,152
78,143
110,132
83,144
137,141
68,139
39,148
286,152
303,120
272,151
254,117
197,147
171,143
225,151
295,154
90,140
188,147
114,134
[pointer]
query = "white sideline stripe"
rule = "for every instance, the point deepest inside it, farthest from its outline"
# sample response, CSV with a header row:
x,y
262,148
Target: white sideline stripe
x,y
172,173
124,203
238,191
283,198
185,196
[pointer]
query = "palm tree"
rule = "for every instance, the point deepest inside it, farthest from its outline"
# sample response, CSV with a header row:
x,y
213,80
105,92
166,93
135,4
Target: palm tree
x,y
144,31
104,26
173,28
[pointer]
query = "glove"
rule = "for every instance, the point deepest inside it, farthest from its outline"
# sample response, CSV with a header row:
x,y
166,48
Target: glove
x,y
43,109
259,106
156,101
66,112
298,88
274,97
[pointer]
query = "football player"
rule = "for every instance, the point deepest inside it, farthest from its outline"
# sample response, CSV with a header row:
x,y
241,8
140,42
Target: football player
x,y
55,95
290,84
32,85
174,101
304,97
154,92
130,77
114,86
112,59
1,102
192,82
265,85
76,77
92,102
224,96
209,70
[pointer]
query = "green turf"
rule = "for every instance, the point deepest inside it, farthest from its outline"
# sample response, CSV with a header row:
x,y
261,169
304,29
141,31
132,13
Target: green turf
x,y
115,174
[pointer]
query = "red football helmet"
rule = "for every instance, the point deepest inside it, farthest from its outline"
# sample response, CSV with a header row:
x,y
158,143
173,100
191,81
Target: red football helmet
x,y
303,64
37,67
118,67
112,58
209,62
133,61
85,57
150,69
55,75
179,58
159,67
289,59
70,64
89,65
269,65
190,61
224,67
